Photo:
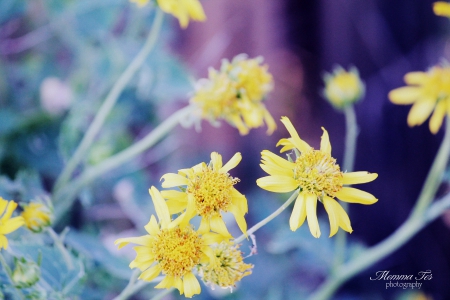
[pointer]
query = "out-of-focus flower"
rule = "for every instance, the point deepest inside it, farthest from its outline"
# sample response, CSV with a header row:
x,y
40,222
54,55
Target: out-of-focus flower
x,y
37,216
26,273
227,268
183,10
441,8
209,191
429,92
236,93
343,88
173,250
318,177
8,224
56,95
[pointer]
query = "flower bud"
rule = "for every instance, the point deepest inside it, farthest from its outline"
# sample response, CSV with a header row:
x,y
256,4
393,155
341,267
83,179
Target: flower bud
x,y
37,216
26,273
343,88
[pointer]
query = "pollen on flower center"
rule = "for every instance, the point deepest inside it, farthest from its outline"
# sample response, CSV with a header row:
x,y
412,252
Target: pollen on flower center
x,y
177,250
317,173
212,191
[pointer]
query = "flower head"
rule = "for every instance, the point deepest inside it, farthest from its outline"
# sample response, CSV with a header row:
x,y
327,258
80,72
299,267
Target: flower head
x,y
227,268
37,216
441,8
8,224
318,177
26,273
343,88
429,92
209,190
235,93
170,249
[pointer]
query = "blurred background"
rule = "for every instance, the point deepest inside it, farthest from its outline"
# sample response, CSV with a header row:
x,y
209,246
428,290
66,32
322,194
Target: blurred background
x,y
58,60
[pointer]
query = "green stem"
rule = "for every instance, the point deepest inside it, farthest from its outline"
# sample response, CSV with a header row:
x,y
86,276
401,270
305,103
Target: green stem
x,y
269,218
135,286
351,135
109,102
422,214
161,294
60,245
68,194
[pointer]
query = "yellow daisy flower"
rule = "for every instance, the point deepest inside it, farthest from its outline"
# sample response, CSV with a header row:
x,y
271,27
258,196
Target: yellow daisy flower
x,y
235,93
171,250
441,8
8,224
37,216
318,177
429,92
208,191
343,88
227,268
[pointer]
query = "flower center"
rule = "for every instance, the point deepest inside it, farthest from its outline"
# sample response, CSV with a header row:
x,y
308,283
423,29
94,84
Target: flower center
x,y
212,191
317,173
177,250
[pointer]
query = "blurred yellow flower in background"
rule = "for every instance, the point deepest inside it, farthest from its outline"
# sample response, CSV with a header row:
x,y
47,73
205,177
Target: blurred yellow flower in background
x,y
227,268
209,191
8,224
37,216
343,88
429,92
318,177
441,8
235,93
175,251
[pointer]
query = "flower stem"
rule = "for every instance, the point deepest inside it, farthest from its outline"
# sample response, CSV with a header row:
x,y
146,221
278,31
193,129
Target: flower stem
x,y
135,286
59,244
90,174
269,218
109,102
351,135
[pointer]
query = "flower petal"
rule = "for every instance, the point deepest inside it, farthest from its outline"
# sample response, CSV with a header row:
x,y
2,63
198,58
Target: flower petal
x,y
277,184
173,180
325,145
337,216
216,161
232,163
152,226
420,111
296,140
352,195
438,116
405,95
239,217
415,78
313,223
359,177
144,240
11,225
150,274
298,214
191,285
160,207
218,225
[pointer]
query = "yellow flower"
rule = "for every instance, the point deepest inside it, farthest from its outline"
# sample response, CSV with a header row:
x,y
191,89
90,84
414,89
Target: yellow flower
x,y
428,92
175,251
8,224
343,88
441,8
227,268
209,191
37,216
235,93
318,177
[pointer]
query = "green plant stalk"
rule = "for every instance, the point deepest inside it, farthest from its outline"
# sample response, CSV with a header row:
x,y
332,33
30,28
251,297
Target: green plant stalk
x,y
110,101
134,286
421,215
351,134
269,218
59,244
66,196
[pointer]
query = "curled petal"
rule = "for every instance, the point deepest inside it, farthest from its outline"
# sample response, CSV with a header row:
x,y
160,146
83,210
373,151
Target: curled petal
x,y
296,140
232,163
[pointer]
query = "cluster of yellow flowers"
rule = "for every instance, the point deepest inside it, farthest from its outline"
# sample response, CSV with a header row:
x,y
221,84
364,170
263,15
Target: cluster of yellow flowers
x,y
236,93
174,248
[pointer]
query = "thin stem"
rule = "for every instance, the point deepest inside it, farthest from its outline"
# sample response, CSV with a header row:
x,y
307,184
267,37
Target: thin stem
x,y
351,135
60,245
269,218
135,286
161,294
90,174
110,101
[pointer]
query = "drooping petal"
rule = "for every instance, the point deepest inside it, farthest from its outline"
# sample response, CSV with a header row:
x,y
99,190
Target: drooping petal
x,y
240,220
277,184
150,274
191,285
218,225
420,111
298,214
166,283
337,216
313,223
352,195
204,226
160,207
438,116
405,95
239,200
296,140
358,177
325,145
173,180
232,163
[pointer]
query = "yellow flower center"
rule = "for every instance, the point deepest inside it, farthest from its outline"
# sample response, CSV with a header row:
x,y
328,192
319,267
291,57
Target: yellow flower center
x,y
317,173
212,191
177,250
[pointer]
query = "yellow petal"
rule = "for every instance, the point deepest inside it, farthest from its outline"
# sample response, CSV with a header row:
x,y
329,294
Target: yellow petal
x,y
441,8
3,242
337,216
359,177
325,145
416,78
438,116
160,207
239,200
299,143
166,283
232,163
216,160
277,184
405,95
191,285
420,111
218,225
298,215
239,217
195,10
9,210
150,274
204,226
287,144
352,195
144,240
3,205
173,180
313,223
276,165
271,125
11,225
152,226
